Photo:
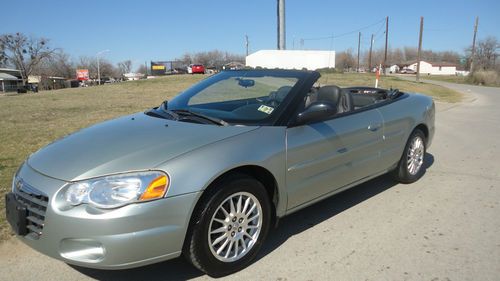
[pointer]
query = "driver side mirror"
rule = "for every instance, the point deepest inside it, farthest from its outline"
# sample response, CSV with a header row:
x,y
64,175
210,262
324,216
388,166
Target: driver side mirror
x,y
315,112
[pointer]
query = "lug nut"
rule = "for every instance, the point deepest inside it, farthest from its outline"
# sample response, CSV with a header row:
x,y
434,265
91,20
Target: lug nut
x,y
239,229
232,234
229,227
234,219
240,220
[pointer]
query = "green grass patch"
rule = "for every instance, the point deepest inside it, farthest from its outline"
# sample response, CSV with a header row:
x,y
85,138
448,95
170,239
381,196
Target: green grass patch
x,y
31,121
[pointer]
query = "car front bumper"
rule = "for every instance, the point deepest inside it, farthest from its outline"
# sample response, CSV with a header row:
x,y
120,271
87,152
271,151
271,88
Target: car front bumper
x,y
126,237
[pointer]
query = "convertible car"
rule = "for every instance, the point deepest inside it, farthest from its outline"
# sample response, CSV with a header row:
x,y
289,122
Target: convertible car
x,y
208,173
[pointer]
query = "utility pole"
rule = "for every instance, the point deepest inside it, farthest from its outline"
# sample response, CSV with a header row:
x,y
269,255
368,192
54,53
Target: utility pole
x,y
246,43
419,54
370,55
359,43
473,51
98,66
281,24
386,40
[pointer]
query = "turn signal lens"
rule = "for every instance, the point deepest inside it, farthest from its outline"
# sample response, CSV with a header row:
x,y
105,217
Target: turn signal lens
x,y
156,189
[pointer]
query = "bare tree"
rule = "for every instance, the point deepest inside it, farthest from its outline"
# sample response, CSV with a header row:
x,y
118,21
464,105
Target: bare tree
x,y
186,59
142,69
59,64
106,67
89,63
345,60
24,53
212,59
125,67
486,53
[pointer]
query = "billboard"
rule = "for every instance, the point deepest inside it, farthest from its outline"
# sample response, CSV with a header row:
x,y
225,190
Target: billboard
x,y
160,67
82,74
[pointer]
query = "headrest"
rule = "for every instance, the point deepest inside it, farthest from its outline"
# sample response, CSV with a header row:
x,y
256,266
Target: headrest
x,y
329,93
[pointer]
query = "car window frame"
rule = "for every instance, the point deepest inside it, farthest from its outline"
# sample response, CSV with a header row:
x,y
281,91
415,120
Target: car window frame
x,y
281,116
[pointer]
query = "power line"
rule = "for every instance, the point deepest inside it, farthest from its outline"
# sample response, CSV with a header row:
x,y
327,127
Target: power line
x,y
344,34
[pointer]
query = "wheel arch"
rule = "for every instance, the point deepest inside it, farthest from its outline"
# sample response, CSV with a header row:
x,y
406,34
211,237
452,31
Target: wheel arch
x,y
260,173
422,127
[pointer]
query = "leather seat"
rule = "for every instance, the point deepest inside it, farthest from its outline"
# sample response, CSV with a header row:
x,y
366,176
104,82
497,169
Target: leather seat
x,y
335,95
330,94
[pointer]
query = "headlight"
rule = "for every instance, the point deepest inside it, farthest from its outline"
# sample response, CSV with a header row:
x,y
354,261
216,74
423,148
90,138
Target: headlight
x,y
118,190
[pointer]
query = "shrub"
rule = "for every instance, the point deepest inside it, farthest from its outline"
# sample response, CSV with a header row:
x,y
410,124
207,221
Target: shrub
x,y
485,77
327,70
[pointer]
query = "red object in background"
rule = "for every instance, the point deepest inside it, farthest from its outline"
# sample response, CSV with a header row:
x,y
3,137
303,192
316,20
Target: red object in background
x,y
198,68
82,74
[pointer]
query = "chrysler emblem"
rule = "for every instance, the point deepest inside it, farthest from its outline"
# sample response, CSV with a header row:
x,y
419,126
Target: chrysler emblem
x,y
21,186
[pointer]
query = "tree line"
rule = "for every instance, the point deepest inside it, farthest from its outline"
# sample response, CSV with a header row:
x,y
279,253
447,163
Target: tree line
x,y
35,56
485,57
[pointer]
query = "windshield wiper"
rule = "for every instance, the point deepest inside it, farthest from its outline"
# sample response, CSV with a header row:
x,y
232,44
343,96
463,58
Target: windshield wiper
x,y
187,112
156,112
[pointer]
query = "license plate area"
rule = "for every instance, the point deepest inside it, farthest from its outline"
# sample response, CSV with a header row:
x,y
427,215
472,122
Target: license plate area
x,y
16,213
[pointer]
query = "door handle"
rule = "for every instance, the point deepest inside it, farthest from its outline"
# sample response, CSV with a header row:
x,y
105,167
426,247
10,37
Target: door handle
x,y
374,127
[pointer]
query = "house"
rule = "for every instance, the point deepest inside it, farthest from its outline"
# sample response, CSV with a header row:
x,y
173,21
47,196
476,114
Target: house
x,y
10,80
233,65
392,69
291,59
133,76
434,68
9,83
48,82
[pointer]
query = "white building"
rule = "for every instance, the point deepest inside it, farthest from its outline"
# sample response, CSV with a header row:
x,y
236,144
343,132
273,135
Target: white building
x,y
133,76
292,59
434,68
392,69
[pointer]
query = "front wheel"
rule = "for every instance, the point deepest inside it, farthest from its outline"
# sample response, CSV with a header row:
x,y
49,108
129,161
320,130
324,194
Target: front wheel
x,y
229,226
411,165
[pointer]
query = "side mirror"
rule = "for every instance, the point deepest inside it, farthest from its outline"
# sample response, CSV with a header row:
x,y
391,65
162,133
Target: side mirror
x,y
316,111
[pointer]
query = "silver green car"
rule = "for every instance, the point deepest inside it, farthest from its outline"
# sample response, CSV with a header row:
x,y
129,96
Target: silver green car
x,y
208,173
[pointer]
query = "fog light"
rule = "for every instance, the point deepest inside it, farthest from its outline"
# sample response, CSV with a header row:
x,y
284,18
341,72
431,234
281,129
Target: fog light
x,y
82,250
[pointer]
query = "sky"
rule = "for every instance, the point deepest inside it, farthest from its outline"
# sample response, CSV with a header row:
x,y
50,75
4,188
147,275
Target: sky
x,y
144,30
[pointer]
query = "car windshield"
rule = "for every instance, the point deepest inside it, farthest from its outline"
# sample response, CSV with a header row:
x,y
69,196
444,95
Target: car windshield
x,y
248,96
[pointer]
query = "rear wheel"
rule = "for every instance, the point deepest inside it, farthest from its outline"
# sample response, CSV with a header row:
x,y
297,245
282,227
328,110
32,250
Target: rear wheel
x,y
229,227
411,165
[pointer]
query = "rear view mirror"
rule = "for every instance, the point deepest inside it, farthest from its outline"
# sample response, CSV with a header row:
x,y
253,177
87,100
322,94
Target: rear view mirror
x,y
246,82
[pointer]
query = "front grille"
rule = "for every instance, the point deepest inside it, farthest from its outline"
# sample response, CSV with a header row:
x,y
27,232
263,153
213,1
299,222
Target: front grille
x,y
36,204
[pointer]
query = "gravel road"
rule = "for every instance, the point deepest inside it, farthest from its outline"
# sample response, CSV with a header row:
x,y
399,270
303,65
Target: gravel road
x,y
444,227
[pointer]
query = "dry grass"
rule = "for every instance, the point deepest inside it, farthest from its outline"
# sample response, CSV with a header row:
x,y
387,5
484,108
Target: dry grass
x,y
483,78
31,121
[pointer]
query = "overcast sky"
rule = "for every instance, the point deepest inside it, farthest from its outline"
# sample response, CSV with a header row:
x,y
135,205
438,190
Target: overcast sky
x,y
144,30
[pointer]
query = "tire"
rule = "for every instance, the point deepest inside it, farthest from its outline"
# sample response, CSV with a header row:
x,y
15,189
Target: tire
x,y
238,231
411,165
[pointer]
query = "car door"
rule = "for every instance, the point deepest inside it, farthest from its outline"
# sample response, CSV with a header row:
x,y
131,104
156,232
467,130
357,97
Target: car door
x,y
327,155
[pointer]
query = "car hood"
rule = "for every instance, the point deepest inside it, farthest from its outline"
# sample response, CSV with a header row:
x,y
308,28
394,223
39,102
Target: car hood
x,y
130,143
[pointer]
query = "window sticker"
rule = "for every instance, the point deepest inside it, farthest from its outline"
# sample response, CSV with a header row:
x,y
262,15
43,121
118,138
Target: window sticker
x,y
266,109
